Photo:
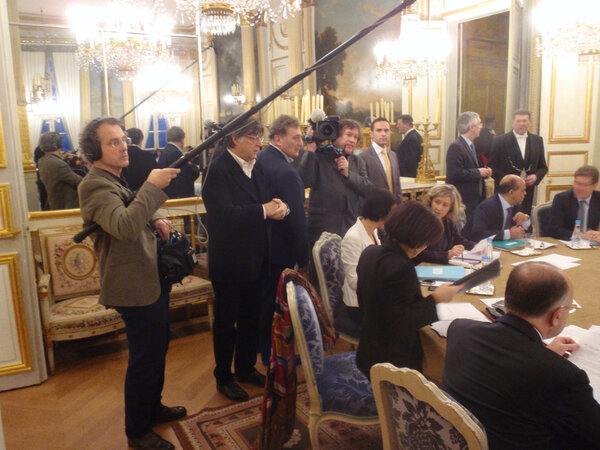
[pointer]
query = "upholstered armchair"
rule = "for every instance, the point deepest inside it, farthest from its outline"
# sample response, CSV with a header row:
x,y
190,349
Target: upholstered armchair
x,y
540,219
415,413
68,287
327,255
337,389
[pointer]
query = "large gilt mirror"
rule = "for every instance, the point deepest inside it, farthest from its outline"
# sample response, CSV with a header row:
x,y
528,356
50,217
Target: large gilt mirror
x,y
65,77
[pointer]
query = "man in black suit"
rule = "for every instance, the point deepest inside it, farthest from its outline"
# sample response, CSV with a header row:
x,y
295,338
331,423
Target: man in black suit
x,y
581,202
183,185
381,163
141,162
289,239
239,209
464,169
337,183
520,153
410,149
525,394
483,142
500,214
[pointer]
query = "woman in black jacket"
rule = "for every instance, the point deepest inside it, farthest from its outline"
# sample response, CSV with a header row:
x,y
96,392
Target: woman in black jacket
x,y
389,294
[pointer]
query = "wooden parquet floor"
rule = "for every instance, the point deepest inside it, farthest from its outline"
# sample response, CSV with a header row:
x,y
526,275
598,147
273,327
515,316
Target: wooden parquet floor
x,y
81,407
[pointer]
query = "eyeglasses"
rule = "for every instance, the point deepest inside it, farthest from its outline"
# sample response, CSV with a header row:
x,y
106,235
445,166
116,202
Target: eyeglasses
x,y
256,137
579,183
116,143
571,308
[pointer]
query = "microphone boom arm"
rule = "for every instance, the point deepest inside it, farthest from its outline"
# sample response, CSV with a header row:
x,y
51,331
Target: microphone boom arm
x,y
268,99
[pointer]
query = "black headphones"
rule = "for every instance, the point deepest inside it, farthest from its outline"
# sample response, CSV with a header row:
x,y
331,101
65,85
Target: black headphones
x,y
90,143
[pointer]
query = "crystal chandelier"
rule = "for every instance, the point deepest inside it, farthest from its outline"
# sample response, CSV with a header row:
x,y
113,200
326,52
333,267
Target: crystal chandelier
x,y
574,29
420,50
220,18
173,87
124,35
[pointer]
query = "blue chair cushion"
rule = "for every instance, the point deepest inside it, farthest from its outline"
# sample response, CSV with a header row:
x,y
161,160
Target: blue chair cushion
x,y
344,388
331,260
310,326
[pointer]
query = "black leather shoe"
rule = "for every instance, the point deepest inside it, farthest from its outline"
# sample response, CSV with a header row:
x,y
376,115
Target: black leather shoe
x,y
167,414
255,378
233,391
150,441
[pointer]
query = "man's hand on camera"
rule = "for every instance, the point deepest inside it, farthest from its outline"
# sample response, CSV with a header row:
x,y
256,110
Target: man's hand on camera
x,y
162,177
162,227
342,165
312,147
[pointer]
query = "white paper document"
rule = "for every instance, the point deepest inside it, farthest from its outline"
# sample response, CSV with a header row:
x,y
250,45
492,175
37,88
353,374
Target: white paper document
x,y
474,255
587,358
583,245
447,312
540,245
561,261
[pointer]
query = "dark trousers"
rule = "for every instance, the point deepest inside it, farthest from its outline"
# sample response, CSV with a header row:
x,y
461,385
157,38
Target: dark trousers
x,y
528,200
267,309
236,327
147,330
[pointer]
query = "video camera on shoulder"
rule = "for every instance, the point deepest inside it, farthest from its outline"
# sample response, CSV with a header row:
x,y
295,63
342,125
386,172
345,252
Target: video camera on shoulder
x,y
325,128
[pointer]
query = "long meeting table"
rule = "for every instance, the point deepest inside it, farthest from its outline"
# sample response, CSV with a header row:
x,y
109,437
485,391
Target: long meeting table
x,y
586,280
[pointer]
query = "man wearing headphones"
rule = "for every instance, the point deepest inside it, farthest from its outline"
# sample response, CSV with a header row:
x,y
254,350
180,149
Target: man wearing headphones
x,y
56,175
127,252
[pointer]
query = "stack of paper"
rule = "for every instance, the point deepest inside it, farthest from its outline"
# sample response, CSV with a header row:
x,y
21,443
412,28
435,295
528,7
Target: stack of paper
x,y
561,261
447,312
587,356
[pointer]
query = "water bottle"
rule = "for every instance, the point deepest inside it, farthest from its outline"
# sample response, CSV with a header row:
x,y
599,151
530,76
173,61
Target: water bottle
x,y
486,288
576,236
489,250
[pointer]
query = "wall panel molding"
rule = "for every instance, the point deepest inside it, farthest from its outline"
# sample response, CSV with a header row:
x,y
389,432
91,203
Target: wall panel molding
x,y
566,106
15,355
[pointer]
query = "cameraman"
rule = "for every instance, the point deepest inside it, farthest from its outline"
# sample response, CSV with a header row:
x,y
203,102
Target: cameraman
x,y
127,255
336,182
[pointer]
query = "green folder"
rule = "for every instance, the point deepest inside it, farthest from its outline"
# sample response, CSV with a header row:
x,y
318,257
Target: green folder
x,y
511,244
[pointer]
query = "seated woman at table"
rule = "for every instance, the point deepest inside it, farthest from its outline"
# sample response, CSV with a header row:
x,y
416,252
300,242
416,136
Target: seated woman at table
x,y
389,294
375,209
444,200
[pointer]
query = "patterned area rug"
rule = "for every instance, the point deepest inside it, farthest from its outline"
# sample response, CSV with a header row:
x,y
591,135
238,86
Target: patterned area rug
x,y
236,427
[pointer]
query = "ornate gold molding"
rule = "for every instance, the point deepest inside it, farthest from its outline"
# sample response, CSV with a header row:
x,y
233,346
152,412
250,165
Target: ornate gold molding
x,y
585,139
6,225
556,187
2,152
28,165
466,8
10,259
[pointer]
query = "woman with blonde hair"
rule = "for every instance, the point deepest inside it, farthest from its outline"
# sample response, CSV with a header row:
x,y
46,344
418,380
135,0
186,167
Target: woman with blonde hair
x,y
444,200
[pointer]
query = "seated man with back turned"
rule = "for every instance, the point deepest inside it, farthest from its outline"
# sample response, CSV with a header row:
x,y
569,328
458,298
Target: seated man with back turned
x,y
336,183
581,202
500,215
525,394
